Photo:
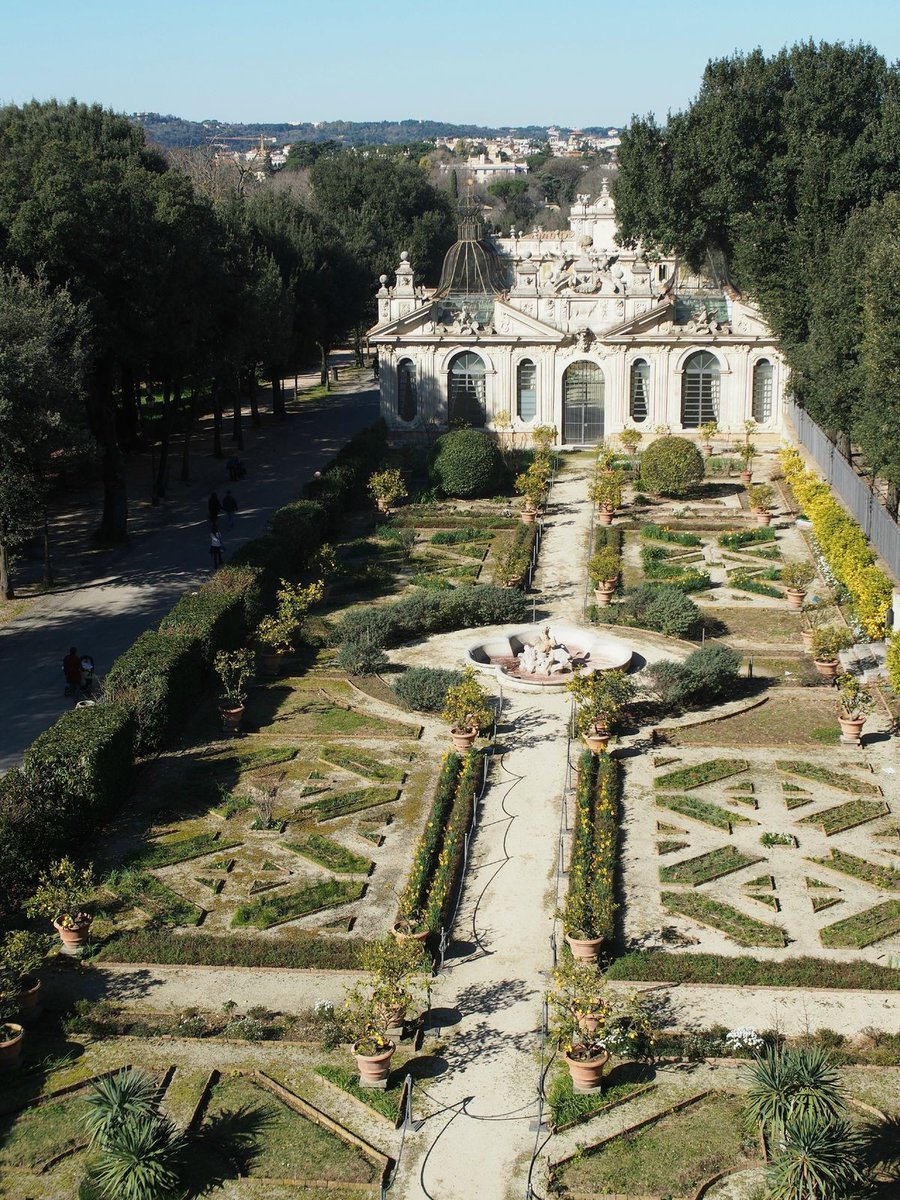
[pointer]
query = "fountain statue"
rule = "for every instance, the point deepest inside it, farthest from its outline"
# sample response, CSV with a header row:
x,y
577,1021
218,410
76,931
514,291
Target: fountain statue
x,y
548,657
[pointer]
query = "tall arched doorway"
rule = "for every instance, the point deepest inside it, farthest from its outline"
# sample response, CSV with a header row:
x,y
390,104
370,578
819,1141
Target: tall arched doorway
x,y
583,404
466,390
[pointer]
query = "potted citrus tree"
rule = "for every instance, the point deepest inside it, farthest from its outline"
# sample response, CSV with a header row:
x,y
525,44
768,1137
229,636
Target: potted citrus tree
x,y
606,492
386,488
827,643
813,616
280,632
603,570
630,438
797,576
855,702
362,1021
22,954
12,1035
602,698
760,497
467,710
235,670
397,970
708,431
532,485
510,566
62,892
746,454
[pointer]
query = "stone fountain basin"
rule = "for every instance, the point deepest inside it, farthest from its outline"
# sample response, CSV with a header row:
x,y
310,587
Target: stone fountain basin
x,y
591,652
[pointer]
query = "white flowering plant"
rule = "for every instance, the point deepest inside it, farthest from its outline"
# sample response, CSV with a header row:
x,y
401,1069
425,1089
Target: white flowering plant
x,y
744,1039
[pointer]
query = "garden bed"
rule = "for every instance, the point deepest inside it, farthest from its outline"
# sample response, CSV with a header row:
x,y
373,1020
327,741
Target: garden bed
x,y
865,928
705,867
704,811
744,930
705,772
846,816
839,780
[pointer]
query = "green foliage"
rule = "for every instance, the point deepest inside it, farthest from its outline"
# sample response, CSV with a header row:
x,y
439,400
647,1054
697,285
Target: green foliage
x,y
272,910
425,688
113,1100
235,669
746,537
747,971
590,906
658,533
166,854
818,1157
61,893
387,486
330,854
671,466
361,763
302,950
703,810
339,804
158,679
243,582
361,658
447,872
816,773
744,930
466,704
414,896
706,867
892,662
711,673
791,1083
865,928
602,698
468,464
283,630
429,612
212,620
660,607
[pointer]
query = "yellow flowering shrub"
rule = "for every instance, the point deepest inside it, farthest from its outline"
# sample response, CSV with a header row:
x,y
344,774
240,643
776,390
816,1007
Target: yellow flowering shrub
x,y
843,544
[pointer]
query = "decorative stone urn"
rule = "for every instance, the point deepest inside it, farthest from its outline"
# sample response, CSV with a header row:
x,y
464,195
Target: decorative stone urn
x,y
586,1068
828,670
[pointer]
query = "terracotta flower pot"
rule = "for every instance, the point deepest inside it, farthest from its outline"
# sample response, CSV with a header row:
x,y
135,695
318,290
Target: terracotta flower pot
x,y
382,506
604,593
584,949
605,516
270,663
231,717
828,670
806,636
74,939
374,1068
463,739
746,476
404,932
707,450
29,999
795,598
851,729
587,1073
528,516
762,518
588,1023
11,1040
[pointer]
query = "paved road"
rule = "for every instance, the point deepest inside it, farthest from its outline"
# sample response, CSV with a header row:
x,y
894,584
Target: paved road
x,y
166,557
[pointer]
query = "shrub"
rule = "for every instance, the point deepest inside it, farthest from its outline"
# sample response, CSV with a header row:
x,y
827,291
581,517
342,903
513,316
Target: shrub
x,y
668,682
159,679
283,630
425,688
468,464
413,899
299,529
590,904
244,582
671,466
213,620
660,607
892,662
431,612
711,672
466,706
361,658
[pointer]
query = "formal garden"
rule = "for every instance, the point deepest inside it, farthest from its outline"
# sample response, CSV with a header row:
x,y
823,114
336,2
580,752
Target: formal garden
x,y
270,783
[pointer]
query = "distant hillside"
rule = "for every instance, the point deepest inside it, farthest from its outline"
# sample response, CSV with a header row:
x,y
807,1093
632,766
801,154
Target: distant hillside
x,y
175,131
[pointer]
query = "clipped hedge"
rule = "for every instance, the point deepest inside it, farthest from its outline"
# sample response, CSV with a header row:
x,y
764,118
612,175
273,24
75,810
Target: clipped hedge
x,y
660,607
449,867
468,464
661,966
431,612
212,620
159,678
301,950
671,466
243,582
590,905
842,543
415,895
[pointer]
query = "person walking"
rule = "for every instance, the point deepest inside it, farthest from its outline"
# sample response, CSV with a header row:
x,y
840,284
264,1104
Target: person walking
x,y
72,672
215,548
229,507
215,508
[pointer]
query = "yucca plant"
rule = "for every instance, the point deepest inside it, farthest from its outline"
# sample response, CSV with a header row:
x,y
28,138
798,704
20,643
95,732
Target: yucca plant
x,y
818,1159
128,1093
790,1083
140,1160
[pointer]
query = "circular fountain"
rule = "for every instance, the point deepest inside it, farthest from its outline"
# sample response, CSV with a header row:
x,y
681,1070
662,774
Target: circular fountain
x,y
546,657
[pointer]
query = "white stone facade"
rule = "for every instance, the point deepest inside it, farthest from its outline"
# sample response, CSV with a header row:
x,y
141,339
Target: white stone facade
x,y
575,298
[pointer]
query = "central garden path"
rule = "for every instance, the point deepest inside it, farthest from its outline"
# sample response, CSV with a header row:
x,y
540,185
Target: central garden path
x,y
479,1142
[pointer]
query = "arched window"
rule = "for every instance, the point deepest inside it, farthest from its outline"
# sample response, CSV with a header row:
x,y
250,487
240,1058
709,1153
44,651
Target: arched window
x,y
762,392
639,398
700,390
526,390
407,400
466,391
583,404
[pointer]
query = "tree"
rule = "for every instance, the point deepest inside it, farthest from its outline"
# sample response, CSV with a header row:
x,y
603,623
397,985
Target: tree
x,y
42,356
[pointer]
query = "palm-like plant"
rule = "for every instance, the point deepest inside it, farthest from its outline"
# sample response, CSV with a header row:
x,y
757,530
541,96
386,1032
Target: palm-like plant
x,y
140,1160
117,1098
789,1084
817,1160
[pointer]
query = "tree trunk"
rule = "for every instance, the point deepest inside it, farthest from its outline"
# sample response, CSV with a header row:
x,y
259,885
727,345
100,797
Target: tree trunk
x,y
323,367
162,468
237,428
842,444
129,414
48,565
6,588
892,499
277,394
102,418
357,345
188,414
217,419
254,399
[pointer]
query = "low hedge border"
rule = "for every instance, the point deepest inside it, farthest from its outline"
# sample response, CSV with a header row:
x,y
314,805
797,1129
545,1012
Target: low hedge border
x,y
590,905
661,966
160,947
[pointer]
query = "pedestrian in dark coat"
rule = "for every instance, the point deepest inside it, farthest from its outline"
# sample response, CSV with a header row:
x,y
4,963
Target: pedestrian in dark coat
x,y
229,507
215,508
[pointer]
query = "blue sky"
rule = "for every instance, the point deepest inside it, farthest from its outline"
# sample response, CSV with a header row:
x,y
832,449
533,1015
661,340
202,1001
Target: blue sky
x,y
491,62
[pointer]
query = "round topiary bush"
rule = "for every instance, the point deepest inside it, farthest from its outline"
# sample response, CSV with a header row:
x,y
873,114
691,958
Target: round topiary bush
x,y
671,466
468,464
